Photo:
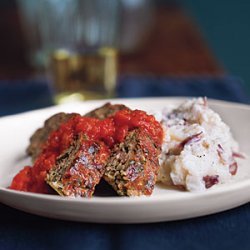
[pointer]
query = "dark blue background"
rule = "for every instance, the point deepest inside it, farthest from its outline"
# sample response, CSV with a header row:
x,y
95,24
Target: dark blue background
x,y
18,96
225,27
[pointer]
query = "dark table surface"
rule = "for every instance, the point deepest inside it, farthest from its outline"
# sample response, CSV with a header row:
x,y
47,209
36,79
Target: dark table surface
x,y
225,230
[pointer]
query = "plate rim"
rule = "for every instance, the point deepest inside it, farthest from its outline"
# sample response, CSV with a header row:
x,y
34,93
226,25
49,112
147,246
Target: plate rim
x,y
182,195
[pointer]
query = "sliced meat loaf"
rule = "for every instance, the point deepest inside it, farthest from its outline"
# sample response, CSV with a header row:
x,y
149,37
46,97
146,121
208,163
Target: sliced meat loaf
x,y
79,169
41,135
133,165
106,111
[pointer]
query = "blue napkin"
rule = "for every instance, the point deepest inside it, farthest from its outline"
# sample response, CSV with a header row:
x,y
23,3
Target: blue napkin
x,y
229,88
19,96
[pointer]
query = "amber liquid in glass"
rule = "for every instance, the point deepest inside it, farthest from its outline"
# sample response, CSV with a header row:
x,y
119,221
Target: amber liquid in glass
x,y
83,76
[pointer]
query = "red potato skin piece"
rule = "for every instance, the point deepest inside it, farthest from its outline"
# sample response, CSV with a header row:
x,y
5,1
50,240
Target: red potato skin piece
x,y
210,180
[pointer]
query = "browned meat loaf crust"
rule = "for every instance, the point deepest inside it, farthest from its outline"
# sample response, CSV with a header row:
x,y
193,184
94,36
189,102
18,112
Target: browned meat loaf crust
x,y
132,167
41,135
106,110
79,168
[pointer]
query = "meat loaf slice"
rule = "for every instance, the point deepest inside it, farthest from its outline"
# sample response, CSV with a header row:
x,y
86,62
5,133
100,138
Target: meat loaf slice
x,y
41,135
79,168
106,111
132,167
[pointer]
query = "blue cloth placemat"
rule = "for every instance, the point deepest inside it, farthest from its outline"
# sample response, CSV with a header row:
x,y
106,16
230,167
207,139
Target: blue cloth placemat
x,y
228,88
19,96
226,230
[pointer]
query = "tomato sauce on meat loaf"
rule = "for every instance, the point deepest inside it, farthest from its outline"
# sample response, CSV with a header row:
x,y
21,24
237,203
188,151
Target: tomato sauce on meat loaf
x,y
32,179
41,135
106,133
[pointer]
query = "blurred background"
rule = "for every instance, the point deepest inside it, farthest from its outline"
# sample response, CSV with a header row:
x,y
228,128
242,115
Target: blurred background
x,y
125,48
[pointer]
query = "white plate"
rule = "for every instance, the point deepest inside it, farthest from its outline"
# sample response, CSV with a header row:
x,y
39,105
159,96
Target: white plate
x,y
163,205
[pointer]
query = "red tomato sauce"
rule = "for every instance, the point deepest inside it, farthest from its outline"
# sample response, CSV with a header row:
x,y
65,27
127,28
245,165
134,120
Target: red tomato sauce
x,y
110,130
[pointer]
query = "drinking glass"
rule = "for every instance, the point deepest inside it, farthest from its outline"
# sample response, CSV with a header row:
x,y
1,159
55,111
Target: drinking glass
x,y
78,41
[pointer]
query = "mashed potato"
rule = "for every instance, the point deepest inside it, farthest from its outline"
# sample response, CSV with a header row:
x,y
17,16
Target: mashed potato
x,y
198,149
